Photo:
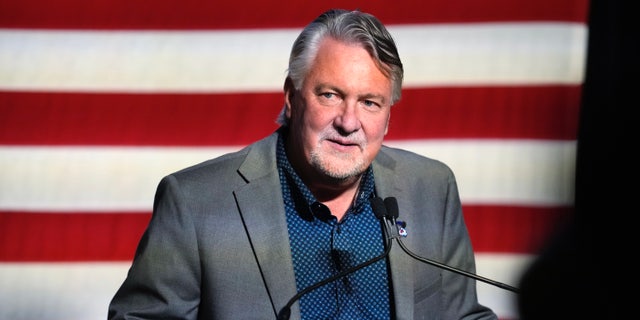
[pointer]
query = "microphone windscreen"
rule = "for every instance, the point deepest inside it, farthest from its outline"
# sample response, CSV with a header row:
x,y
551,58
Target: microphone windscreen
x,y
391,204
378,207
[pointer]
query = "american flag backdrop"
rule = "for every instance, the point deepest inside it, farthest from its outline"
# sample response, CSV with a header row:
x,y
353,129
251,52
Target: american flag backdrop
x,y
100,99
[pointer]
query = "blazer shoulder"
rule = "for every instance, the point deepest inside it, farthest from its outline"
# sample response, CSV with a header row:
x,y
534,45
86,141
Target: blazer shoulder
x,y
248,162
402,160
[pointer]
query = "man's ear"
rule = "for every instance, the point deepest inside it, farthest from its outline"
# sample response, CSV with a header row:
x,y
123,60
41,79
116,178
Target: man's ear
x,y
386,126
289,93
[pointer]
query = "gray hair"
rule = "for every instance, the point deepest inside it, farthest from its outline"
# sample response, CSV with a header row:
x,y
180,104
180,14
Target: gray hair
x,y
350,27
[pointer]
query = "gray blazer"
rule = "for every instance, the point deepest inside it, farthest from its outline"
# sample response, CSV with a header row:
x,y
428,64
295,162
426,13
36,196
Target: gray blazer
x,y
217,245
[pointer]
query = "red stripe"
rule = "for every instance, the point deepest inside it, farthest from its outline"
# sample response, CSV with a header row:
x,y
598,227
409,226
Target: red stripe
x,y
28,236
528,112
84,236
30,118
512,229
199,14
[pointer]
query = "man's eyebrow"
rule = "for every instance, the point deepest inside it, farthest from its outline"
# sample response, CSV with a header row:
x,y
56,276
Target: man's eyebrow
x,y
373,96
325,86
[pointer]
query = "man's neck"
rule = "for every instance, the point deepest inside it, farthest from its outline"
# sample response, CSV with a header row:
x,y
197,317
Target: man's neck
x,y
339,198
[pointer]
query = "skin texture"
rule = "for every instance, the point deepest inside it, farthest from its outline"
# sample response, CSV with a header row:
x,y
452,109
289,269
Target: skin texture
x,y
338,119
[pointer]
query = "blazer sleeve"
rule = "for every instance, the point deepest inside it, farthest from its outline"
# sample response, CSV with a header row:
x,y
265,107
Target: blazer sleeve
x,y
163,281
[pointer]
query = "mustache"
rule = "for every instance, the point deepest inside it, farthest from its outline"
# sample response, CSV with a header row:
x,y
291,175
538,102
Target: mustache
x,y
355,138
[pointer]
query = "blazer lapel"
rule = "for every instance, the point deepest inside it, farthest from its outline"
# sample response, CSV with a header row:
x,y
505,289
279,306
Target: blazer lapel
x,y
261,207
402,275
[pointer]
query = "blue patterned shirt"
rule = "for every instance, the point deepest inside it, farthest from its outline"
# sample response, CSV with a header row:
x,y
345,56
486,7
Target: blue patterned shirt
x,y
322,246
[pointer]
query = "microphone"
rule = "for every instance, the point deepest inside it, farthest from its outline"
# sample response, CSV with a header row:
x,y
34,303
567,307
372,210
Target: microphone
x,y
391,205
380,211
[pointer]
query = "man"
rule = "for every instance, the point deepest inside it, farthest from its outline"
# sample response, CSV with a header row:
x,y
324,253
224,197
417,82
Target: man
x,y
238,236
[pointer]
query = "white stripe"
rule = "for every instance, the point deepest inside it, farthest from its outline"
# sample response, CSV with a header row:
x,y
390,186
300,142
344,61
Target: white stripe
x,y
492,53
504,268
90,178
517,171
256,60
538,173
52,291
57,291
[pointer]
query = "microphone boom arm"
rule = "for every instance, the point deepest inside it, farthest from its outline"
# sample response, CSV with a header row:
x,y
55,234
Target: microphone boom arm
x,y
391,205
458,271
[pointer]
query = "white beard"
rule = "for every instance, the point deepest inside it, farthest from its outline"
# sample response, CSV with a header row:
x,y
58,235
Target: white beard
x,y
338,166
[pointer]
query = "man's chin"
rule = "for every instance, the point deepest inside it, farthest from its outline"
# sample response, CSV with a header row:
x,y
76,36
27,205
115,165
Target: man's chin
x,y
343,169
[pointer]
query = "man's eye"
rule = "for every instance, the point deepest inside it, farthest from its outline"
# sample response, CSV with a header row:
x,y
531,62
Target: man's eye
x,y
328,95
370,103
329,98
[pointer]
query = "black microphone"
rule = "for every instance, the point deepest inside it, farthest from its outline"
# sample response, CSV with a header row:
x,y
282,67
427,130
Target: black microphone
x,y
380,211
392,210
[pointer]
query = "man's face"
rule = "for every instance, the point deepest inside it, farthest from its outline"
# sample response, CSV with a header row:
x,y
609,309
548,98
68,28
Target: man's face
x,y
341,114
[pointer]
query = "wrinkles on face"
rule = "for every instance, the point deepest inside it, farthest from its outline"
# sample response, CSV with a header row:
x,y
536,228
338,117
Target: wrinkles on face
x,y
341,113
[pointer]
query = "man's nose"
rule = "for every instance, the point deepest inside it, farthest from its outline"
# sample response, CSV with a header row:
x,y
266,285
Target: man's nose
x,y
348,119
